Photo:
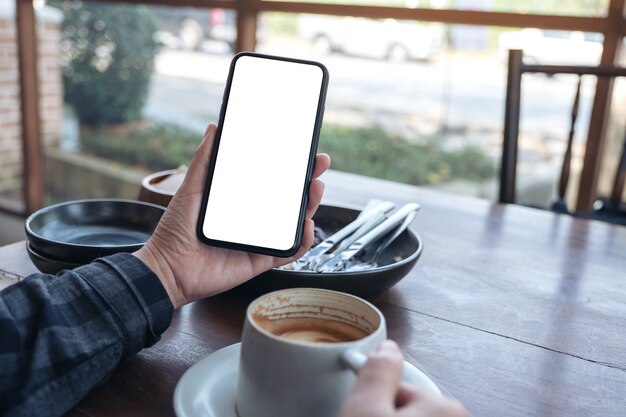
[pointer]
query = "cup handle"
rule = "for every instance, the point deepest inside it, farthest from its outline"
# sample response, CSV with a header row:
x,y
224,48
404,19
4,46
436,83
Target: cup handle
x,y
355,360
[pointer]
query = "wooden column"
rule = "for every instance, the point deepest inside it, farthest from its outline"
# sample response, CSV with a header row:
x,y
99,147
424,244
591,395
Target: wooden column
x,y
246,25
613,35
31,130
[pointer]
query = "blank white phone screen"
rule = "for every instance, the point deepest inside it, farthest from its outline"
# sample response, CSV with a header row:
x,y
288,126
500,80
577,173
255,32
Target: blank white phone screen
x,y
260,171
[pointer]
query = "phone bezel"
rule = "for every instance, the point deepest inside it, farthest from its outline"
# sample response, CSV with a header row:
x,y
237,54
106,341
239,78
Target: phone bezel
x,y
311,161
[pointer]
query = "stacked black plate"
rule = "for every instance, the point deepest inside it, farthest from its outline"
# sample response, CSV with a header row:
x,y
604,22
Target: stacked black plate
x,y
67,235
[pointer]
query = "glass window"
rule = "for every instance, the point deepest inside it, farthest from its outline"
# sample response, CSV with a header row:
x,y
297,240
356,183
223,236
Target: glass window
x,y
423,103
140,84
549,7
414,102
401,105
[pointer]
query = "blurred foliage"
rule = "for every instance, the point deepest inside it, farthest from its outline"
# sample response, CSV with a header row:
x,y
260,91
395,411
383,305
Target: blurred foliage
x,y
366,151
108,58
378,153
158,147
554,7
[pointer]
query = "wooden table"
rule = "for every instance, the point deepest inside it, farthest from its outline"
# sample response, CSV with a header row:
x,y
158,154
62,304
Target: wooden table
x,y
514,311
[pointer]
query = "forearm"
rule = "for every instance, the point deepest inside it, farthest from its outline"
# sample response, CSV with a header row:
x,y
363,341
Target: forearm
x,y
60,336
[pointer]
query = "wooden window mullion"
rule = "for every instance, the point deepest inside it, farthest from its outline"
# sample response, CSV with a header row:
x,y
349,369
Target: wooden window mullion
x,y
32,150
247,17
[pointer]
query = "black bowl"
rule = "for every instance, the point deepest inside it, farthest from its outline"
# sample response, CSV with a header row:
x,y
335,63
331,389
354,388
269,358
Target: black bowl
x,y
81,231
48,265
394,263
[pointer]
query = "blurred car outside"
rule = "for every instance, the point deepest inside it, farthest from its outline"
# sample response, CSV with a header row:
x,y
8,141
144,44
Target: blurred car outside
x,y
391,39
188,27
553,46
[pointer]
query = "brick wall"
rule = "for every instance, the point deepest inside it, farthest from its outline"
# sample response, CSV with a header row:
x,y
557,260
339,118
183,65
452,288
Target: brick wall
x,y
10,129
50,90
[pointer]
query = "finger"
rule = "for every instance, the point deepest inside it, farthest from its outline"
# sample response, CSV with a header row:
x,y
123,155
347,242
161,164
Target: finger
x,y
322,163
419,402
379,378
316,192
308,236
197,172
208,129
407,394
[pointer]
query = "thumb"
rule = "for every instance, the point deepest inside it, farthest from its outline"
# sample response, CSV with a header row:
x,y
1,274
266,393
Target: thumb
x,y
197,172
379,379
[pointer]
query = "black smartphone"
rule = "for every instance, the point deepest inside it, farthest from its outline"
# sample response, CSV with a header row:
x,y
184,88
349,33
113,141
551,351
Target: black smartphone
x,y
262,162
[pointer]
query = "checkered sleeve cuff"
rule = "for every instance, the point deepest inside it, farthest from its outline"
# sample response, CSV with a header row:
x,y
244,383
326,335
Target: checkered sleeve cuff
x,y
135,295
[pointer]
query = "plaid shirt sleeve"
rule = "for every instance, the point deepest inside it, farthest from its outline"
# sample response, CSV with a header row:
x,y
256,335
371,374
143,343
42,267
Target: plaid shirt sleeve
x,y
60,336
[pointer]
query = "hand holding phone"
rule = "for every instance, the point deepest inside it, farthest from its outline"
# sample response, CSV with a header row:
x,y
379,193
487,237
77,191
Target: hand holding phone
x,y
263,155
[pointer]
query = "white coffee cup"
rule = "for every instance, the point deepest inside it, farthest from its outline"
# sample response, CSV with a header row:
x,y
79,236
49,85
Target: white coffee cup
x,y
301,349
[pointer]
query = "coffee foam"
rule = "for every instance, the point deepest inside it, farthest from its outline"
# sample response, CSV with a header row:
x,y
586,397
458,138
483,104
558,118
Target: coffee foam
x,y
311,329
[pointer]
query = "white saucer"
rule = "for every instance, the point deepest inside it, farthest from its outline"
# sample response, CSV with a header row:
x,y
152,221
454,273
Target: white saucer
x,y
208,388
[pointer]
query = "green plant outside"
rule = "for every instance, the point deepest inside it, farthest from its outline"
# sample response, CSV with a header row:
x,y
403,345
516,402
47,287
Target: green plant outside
x,y
108,52
378,153
367,151
156,148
